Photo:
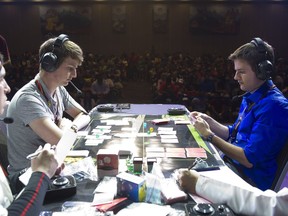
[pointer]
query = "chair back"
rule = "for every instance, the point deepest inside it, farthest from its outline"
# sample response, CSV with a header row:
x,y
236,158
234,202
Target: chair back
x,y
282,170
3,157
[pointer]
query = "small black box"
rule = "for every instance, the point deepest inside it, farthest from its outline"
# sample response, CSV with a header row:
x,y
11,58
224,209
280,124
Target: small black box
x,y
176,111
61,187
105,108
207,209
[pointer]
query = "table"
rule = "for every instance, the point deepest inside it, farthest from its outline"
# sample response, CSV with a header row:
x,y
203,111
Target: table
x,y
142,123
148,109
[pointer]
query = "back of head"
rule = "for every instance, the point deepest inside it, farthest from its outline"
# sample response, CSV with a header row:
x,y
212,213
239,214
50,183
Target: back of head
x,y
4,50
55,50
259,54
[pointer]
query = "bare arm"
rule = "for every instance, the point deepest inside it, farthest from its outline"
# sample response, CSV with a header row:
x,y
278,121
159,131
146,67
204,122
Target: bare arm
x,y
81,117
51,133
227,148
231,151
81,120
47,130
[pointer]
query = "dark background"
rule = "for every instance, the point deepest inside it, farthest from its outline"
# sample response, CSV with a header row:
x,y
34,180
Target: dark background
x,y
21,26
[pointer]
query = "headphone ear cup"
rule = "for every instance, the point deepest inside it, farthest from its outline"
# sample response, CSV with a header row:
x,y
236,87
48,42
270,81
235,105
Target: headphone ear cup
x,y
265,70
49,62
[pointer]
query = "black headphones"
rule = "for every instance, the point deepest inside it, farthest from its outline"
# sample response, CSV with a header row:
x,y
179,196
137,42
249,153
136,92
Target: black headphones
x,y
264,67
50,61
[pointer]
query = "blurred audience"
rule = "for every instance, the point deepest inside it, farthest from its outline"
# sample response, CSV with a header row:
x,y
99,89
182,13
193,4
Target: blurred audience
x,y
100,90
202,83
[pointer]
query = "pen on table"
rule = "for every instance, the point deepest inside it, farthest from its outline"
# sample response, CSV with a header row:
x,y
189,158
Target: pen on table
x,y
36,153
204,168
192,165
211,168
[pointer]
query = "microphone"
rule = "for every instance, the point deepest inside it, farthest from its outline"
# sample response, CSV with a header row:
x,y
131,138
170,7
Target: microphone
x,y
79,92
236,97
7,120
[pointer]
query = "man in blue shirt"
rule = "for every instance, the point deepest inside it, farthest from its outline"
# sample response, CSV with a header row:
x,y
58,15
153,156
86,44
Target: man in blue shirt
x,y
260,132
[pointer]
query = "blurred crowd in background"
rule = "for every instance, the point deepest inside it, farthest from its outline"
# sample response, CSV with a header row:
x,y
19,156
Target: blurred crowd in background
x,y
204,83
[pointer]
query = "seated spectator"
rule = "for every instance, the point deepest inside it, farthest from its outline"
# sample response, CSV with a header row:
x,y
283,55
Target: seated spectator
x,y
109,81
99,89
160,81
118,86
168,92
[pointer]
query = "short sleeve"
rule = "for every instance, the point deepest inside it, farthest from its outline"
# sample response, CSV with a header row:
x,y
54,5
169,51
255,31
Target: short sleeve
x,y
30,107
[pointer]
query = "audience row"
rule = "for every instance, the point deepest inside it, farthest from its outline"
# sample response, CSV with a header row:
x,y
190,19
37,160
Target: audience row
x,y
202,83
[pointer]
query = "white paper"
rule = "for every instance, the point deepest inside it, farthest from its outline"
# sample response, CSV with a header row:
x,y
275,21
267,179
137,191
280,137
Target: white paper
x,y
103,127
78,153
100,131
107,185
93,142
110,122
64,145
168,136
125,135
146,134
98,137
142,208
24,178
166,132
169,141
182,122
165,129
102,198
82,133
128,129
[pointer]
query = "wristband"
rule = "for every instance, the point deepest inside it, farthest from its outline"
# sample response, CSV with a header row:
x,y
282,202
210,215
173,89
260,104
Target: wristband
x,y
210,137
74,128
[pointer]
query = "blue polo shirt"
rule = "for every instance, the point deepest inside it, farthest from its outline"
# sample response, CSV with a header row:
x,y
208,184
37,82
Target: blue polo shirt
x,y
262,133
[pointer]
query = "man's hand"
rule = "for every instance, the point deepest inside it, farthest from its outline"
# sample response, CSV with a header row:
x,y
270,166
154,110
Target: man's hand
x,y
45,162
196,114
202,127
187,180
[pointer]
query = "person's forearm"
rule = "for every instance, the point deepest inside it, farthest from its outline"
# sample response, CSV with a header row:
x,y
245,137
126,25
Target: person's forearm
x,y
245,200
81,120
31,200
218,128
231,151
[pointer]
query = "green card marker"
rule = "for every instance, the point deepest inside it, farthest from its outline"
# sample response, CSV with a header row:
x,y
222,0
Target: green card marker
x,y
198,138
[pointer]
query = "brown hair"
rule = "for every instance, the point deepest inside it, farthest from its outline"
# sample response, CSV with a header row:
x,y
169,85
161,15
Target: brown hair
x,y
250,53
67,49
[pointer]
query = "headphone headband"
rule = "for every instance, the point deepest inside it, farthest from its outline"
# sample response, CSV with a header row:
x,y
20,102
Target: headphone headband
x,y
264,67
259,43
60,41
50,60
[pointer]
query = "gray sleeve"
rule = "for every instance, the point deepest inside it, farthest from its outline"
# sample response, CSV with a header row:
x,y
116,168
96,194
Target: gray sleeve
x,y
30,107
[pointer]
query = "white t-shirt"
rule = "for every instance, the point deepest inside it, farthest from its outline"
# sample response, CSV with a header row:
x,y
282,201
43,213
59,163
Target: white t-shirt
x,y
5,194
243,199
